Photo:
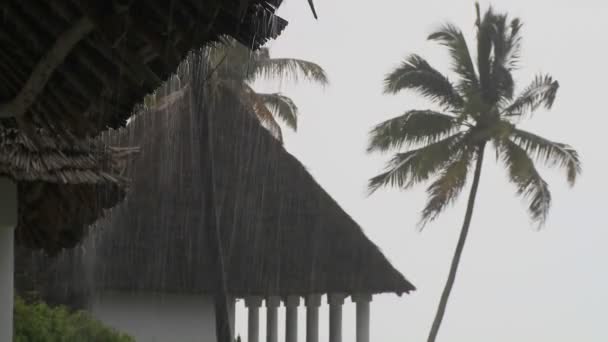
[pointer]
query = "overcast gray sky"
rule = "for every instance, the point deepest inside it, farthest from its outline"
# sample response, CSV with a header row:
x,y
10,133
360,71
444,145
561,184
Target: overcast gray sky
x,y
514,284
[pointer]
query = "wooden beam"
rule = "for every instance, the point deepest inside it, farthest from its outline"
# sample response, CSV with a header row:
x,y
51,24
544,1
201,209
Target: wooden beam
x,y
50,103
16,64
130,59
46,67
53,26
93,58
91,50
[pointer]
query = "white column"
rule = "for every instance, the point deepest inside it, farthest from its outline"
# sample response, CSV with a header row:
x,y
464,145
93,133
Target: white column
x,y
335,301
362,301
232,315
312,317
253,319
272,324
291,318
8,222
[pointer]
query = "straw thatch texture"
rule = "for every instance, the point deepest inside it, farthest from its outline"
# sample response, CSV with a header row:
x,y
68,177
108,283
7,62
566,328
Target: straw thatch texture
x,y
115,52
282,233
62,186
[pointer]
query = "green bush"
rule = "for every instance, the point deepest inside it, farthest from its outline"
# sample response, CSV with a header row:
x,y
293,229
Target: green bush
x,y
37,322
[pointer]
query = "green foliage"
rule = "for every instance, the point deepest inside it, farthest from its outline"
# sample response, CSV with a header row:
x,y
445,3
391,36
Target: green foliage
x,y
480,107
237,67
415,73
37,322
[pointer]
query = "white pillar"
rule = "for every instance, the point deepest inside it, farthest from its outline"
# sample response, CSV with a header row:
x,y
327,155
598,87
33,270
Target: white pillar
x,y
312,317
8,222
272,324
232,315
253,321
291,318
362,301
335,301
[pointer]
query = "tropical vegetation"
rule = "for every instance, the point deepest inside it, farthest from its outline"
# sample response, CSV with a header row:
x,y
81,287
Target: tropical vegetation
x,y
237,68
37,322
477,108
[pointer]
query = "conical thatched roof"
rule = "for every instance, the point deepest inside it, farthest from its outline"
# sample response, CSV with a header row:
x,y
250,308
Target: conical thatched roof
x,y
85,64
62,186
282,233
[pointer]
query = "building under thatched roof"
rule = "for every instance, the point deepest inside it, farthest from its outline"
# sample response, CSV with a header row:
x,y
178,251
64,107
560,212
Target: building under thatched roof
x,y
50,190
282,234
62,187
86,63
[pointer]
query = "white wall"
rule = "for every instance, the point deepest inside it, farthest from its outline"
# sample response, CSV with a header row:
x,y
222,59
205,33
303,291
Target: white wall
x,y
8,220
157,317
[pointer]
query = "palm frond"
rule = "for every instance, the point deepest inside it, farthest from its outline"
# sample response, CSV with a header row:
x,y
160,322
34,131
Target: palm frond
x,y
415,73
506,37
541,92
282,107
312,8
446,188
268,121
530,185
232,58
502,83
514,52
550,153
485,29
412,128
451,37
251,100
409,168
290,69
506,42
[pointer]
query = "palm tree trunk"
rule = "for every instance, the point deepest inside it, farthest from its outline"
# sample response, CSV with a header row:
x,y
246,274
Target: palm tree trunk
x,y
459,248
223,329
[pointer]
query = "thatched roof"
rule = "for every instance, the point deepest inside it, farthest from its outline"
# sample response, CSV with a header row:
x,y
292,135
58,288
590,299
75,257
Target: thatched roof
x,y
86,63
282,233
62,186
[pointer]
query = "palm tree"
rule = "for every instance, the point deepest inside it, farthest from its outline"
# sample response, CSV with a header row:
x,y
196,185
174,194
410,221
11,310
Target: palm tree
x,y
238,68
234,68
479,108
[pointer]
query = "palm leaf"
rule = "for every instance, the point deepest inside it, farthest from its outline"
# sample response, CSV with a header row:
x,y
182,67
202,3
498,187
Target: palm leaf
x,y
446,188
541,92
549,152
451,37
528,181
507,41
289,69
282,107
409,168
416,73
312,8
251,100
412,128
232,58
503,83
485,29
514,52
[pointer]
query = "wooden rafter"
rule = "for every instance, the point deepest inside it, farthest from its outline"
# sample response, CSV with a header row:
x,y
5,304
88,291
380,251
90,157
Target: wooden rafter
x,y
46,67
132,47
129,58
